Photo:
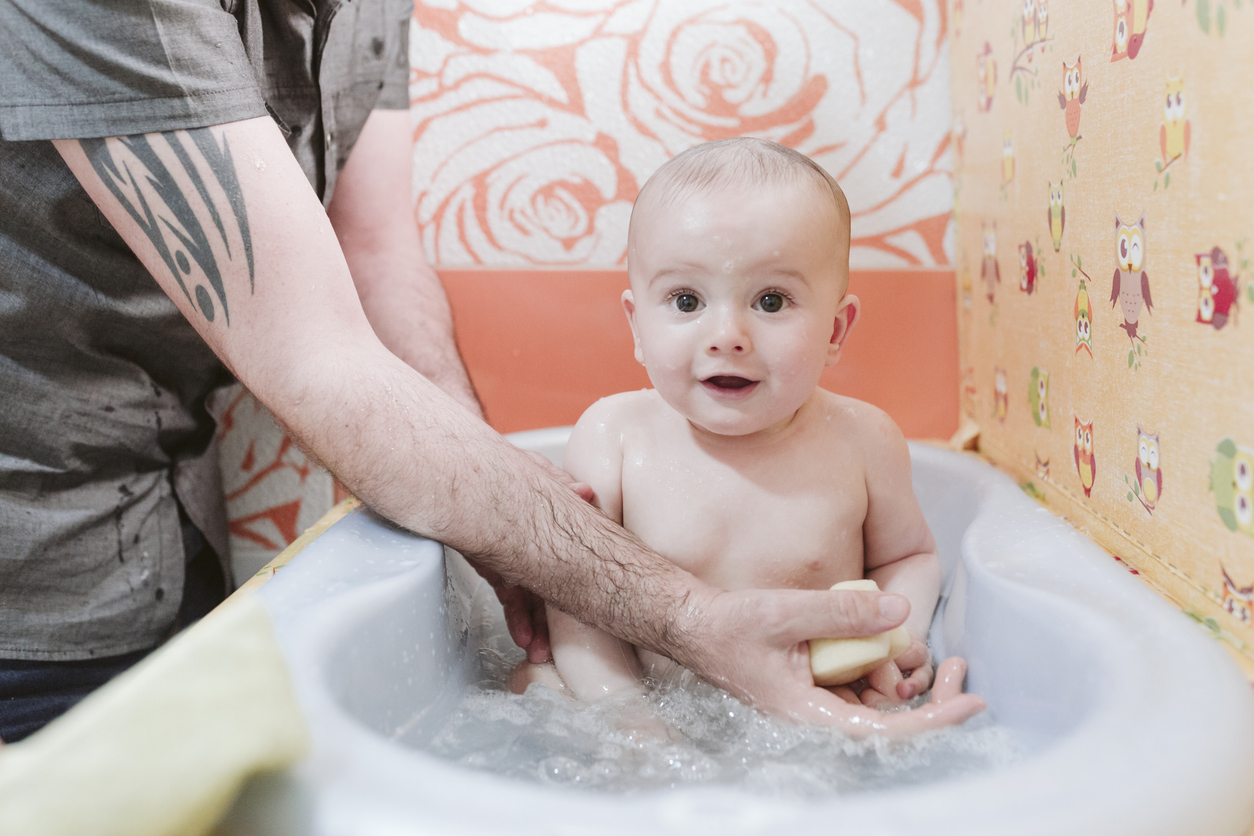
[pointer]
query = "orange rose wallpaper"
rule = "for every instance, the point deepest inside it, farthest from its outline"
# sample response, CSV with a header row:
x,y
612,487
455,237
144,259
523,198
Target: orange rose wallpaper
x,y
536,123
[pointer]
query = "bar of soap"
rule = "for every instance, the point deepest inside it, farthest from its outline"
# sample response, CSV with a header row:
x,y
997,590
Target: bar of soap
x,y
841,661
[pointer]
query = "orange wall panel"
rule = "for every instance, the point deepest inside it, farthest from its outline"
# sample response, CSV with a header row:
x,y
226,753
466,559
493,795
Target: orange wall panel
x,y
542,345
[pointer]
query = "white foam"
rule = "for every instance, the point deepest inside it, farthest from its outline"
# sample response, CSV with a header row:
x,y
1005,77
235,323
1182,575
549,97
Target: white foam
x,y
684,733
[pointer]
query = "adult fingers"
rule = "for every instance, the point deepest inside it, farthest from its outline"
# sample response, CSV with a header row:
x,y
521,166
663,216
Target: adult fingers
x,y
838,614
949,677
846,693
949,706
824,708
838,707
518,614
934,715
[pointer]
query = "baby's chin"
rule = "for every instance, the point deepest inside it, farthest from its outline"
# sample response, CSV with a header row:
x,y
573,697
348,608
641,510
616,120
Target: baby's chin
x,y
740,423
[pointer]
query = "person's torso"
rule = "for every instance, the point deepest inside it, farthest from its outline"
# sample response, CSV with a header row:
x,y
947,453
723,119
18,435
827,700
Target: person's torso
x,y
102,412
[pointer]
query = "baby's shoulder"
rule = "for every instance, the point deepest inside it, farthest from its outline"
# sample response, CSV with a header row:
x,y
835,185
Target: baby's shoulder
x,y
616,416
868,426
624,407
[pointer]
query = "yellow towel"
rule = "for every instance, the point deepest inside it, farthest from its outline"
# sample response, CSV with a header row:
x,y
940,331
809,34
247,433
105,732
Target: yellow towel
x,y
165,747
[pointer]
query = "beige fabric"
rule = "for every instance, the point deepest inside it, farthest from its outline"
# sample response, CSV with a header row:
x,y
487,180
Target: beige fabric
x,y
164,748
1177,378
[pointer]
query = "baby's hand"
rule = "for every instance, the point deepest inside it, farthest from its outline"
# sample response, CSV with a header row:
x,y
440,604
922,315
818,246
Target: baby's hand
x,y
900,679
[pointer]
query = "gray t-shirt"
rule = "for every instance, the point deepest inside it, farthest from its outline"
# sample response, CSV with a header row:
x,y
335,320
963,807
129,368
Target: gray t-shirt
x,y
102,381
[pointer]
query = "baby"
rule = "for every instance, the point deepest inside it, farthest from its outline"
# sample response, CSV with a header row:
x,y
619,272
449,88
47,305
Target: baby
x,y
736,465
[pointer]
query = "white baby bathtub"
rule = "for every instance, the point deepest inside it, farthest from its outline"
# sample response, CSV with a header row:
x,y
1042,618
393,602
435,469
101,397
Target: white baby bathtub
x,y
1134,720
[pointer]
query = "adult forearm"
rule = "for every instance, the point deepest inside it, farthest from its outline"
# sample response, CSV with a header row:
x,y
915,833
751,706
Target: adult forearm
x,y
372,213
409,312
412,454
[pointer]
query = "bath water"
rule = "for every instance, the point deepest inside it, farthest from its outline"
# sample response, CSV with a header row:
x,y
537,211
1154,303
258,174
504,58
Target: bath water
x,y
682,733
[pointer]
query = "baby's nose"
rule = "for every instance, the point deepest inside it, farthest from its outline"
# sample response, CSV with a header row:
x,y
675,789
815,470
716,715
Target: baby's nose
x,y
728,333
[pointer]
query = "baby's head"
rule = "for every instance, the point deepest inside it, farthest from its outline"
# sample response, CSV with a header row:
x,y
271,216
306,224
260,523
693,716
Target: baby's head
x,y
738,257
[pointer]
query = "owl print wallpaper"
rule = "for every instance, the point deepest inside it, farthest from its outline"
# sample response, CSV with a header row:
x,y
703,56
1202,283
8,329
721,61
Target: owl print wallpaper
x,y
1131,213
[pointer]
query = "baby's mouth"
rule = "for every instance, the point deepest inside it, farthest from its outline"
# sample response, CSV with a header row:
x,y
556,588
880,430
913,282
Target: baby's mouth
x,y
727,384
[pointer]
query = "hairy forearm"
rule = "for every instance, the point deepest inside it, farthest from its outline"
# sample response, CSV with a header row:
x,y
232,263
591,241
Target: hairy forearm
x,y
412,454
918,578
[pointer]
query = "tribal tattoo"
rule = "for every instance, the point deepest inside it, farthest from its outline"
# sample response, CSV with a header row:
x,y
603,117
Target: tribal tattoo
x,y
179,187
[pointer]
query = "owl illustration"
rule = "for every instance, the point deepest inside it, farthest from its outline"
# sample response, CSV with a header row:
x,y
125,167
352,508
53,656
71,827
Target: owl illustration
x,y
1140,19
1083,321
1038,397
1131,19
1057,214
1029,22
1001,399
1027,268
989,271
1007,158
1123,29
1173,136
1149,476
1232,482
1237,600
1042,19
1074,90
986,76
1128,288
1217,288
1042,467
1085,461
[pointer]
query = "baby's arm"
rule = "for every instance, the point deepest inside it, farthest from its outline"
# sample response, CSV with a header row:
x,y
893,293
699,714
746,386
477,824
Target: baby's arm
x,y
900,556
592,663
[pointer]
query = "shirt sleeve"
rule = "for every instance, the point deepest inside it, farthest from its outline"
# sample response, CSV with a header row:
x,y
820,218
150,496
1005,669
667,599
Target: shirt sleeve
x,y
71,69
395,92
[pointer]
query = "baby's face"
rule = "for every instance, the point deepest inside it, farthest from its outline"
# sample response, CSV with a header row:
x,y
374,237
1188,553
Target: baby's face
x,y
734,301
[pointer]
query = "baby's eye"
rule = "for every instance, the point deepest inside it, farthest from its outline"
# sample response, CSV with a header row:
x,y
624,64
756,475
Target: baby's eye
x,y
771,302
686,302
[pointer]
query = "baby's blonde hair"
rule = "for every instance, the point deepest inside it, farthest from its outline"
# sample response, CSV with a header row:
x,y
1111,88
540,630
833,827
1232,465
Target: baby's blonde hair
x,y
739,161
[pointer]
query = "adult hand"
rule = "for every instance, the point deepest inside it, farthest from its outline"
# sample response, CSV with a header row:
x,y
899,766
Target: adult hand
x,y
524,610
755,643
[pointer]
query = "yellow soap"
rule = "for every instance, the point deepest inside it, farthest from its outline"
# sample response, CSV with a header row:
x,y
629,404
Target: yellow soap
x,y
841,661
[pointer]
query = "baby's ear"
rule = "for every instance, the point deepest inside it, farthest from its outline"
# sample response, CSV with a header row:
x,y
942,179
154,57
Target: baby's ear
x,y
846,316
629,307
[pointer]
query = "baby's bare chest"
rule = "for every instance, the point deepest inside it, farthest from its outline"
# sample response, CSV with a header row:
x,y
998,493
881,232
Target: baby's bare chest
x,y
787,524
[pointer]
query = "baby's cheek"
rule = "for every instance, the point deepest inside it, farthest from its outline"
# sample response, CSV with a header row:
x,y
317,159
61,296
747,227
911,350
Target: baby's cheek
x,y
802,357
